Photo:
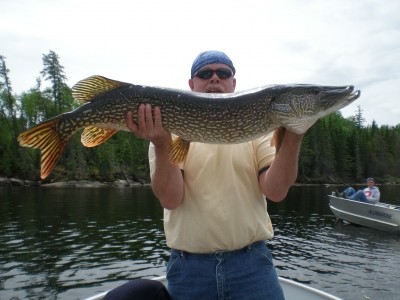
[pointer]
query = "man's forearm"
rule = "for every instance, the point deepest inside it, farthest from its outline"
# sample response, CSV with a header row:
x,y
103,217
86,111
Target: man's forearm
x,y
167,181
281,175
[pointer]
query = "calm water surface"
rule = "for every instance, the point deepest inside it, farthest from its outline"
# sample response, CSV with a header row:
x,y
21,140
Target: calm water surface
x,y
73,243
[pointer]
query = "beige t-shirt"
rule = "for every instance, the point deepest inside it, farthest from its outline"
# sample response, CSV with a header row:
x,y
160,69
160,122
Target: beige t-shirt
x,y
223,207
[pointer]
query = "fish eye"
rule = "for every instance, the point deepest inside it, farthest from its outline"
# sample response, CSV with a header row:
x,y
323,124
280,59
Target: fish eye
x,y
315,91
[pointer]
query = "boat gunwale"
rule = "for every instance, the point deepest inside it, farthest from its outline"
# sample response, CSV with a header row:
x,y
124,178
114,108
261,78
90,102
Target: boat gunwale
x,y
286,281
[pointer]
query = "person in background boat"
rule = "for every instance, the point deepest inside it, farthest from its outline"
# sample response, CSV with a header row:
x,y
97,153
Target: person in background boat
x,y
215,212
370,194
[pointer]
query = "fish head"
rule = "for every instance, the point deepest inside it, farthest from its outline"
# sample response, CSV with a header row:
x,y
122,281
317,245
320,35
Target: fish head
x,y
298,107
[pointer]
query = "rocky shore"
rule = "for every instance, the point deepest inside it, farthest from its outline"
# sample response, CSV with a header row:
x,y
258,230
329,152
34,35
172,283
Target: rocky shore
x,y
121,183
4,181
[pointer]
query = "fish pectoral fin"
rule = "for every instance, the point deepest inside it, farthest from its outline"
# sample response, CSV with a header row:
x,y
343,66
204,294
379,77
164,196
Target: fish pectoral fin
x,y
50,141
86,89
93,136
179,150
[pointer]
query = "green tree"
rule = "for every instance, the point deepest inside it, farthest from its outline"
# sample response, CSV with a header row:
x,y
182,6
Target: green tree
x,y
54,72
8,104
36,106
8,122
359,119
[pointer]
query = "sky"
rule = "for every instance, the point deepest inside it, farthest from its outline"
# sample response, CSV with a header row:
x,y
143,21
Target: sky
x,y
154,42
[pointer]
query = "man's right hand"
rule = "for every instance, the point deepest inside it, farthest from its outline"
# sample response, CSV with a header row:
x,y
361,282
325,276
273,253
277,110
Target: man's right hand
x,y
148,125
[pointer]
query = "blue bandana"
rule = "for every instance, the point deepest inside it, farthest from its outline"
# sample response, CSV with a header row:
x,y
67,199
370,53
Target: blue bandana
x,y
211,57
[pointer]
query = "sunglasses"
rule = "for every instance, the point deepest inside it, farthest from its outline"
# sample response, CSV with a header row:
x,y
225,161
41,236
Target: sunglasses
x,y
207,74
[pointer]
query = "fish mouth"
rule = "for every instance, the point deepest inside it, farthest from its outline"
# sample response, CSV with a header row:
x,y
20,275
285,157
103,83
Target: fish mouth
x,y
347,90
338,97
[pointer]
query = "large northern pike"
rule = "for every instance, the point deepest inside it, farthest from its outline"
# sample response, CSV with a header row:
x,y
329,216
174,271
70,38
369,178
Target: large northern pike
x,y
193,117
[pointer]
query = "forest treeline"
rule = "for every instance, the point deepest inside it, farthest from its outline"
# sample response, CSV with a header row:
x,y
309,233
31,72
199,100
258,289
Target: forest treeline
x,y
334,150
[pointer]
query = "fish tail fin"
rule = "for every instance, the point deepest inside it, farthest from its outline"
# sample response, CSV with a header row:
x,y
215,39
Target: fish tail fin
x,y
278,138
49,140
179,150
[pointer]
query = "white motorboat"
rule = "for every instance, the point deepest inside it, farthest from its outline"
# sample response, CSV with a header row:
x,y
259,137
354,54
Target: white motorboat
x,y
292,290
380,215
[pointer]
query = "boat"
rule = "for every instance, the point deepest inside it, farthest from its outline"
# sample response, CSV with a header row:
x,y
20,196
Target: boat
x,y
292,290
380,215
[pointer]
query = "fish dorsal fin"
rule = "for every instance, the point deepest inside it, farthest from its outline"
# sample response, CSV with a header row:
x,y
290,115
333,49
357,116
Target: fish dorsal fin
x,y
93,136
86,89
179,150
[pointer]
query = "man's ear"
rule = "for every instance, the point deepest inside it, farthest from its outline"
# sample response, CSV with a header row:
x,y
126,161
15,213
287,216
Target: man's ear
x,y
191,84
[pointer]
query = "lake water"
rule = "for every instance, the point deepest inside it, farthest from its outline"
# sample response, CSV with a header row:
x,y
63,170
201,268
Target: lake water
x,y
73,243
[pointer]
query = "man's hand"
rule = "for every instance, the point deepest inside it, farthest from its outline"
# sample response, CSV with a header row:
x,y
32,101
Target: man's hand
x,y
149,125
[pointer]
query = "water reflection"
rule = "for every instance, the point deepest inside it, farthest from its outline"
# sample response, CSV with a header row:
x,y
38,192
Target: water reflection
x,y
71,243
58,239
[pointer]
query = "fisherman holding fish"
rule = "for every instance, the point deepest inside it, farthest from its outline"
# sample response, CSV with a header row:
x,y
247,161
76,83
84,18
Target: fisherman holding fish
x,y
215,213
213,174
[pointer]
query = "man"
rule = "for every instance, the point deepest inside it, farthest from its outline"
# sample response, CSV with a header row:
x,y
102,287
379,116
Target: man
x,y
215,215
370,194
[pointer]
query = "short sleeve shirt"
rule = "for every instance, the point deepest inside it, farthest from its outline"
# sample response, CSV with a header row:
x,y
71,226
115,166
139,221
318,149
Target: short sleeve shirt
x,y
223,207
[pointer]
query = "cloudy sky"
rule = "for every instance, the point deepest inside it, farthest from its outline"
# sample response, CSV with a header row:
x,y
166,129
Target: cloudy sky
x,y
153,42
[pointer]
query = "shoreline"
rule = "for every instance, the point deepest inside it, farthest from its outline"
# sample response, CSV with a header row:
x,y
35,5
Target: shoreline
x,y
119,183
122,183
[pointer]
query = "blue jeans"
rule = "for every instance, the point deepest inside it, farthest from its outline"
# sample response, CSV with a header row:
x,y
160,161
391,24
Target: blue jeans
x,y
353,195
242,274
